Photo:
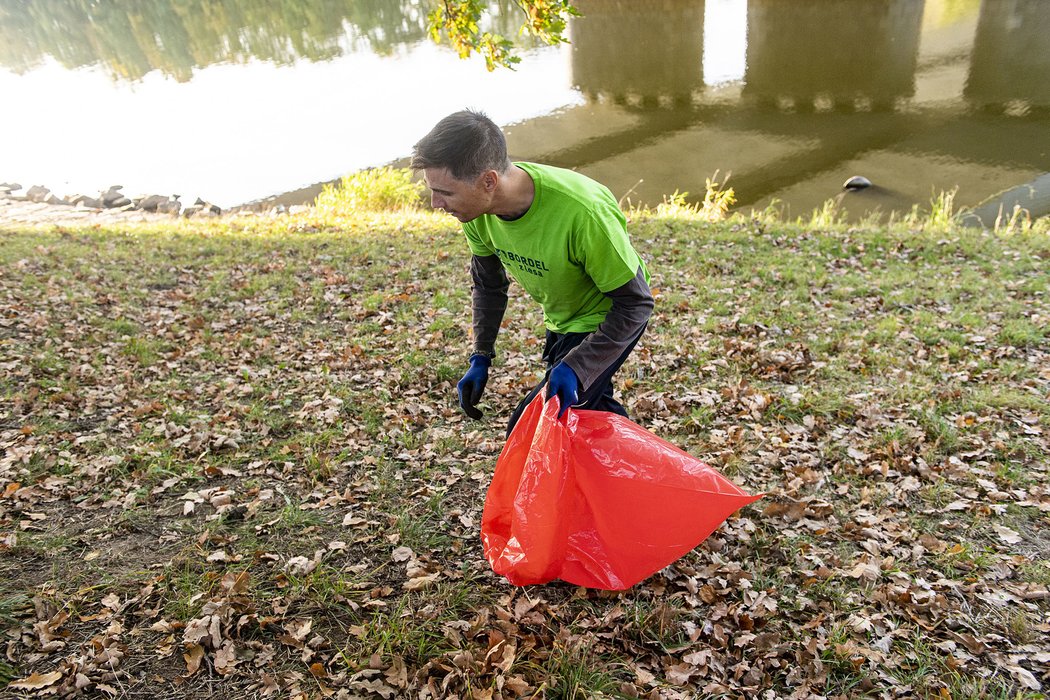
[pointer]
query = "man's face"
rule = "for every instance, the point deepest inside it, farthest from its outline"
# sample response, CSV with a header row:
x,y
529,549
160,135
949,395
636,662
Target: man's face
x,y
463,199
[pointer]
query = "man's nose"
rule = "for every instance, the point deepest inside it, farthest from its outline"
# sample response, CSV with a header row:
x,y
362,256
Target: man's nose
x,y
436,202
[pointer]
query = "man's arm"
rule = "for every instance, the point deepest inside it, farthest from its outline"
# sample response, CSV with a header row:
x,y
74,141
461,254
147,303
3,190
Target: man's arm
x,y
632,305
488,301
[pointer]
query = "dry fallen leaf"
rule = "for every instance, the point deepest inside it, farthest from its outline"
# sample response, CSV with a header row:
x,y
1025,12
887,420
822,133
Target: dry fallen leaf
x,y
1024,676
421,582
225,658
36,681
194,655
1007,535
402,554
866,570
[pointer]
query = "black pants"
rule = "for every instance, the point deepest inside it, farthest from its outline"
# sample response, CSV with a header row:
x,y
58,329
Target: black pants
x,y
598,397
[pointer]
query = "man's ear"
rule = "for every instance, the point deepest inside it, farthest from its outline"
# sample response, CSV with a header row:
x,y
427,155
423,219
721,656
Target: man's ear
x,y
489,180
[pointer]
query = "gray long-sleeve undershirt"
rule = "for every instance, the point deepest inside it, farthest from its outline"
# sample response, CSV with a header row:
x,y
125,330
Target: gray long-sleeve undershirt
x,y
488,297
632,305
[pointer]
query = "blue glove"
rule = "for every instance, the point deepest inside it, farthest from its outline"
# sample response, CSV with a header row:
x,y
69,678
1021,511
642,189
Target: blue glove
x,y
472,384
563,383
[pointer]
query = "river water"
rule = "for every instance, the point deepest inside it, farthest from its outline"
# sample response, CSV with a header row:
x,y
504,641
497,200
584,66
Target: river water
x,y
244,100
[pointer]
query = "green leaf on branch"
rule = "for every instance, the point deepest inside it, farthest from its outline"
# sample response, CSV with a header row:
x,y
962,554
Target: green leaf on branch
x,y
459,22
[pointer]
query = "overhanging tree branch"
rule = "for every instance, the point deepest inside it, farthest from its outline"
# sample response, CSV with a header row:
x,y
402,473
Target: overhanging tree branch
x,y
459,22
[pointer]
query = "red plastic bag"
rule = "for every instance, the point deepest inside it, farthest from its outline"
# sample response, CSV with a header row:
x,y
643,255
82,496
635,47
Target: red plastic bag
x,y
596,500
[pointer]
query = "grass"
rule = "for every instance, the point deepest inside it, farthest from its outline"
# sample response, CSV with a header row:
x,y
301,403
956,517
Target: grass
x,y
577,674
375,189
293,379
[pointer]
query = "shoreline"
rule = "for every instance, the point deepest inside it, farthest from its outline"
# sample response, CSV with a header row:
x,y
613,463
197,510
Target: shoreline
x,y
36,206
22,211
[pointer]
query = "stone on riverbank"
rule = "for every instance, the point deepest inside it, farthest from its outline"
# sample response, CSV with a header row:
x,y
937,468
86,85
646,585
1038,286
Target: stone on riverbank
x,y
113,198
160,203
110,199
83,200
38,193
39,206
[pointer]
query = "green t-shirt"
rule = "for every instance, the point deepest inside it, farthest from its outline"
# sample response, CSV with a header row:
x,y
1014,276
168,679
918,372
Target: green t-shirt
x,y
567,249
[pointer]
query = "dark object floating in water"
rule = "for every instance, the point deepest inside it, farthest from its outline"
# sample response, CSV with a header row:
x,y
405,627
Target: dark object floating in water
x,y
857,182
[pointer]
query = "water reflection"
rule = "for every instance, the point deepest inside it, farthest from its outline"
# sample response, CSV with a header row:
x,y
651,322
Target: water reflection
x,y
131,38
917,95
829,91
1011,60
643,51
837,51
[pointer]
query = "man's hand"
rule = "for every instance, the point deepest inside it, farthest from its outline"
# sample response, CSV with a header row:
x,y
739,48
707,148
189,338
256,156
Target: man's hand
x,y
563,383
472,385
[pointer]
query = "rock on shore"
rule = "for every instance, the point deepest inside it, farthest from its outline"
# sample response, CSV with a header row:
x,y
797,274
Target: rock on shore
x,y
38,205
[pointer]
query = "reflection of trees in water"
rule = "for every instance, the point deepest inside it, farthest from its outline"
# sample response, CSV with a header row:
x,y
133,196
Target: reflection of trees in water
x,y
134,37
